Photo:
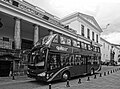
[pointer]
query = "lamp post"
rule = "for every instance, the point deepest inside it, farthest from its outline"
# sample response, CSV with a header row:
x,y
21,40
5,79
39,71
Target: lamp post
x,y
106,26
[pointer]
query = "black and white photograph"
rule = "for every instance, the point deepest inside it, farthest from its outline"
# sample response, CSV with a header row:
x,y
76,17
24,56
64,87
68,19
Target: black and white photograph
x,y
59,44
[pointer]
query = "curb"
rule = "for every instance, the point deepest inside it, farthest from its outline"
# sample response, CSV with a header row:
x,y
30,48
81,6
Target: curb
x,y
15,81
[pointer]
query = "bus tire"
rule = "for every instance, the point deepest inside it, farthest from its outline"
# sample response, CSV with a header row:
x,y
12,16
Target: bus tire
x,y
65,76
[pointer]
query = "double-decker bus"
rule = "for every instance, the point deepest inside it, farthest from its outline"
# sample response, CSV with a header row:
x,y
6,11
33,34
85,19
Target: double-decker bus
x,y
61,57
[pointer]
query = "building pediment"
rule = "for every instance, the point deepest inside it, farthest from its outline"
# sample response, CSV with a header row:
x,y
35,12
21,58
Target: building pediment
x,y
87,18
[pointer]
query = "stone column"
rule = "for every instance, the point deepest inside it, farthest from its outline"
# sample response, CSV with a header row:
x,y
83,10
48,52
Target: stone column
x,y
36,34
17,33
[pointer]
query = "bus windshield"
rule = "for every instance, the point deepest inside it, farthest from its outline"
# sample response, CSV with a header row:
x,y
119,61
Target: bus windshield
x,y
47,39
37,58
38,53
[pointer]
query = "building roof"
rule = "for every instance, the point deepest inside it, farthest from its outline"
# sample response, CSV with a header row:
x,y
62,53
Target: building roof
x,y
115,45
87,18
105,40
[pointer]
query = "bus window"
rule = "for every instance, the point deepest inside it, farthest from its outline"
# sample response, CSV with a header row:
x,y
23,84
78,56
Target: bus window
x,y
64,59
82,45
77,59
78,44
63,40
86,46
88,60
93,48
83,60
95,59
53,61
68,42
72,60
74,43
56,39
89,47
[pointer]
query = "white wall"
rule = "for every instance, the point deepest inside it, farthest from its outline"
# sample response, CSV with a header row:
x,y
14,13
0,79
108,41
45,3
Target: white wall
x,y
75,23
105,50
117,52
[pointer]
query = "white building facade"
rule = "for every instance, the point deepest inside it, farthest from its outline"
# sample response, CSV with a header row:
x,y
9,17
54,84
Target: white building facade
x,y
117,52
107,49
86,26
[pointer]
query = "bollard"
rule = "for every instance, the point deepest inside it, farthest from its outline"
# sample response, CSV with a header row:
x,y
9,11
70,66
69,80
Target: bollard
x,y
67,85
111,71
13,77
88,79
100,74
95,76
108,72
49,86
104,73
79,81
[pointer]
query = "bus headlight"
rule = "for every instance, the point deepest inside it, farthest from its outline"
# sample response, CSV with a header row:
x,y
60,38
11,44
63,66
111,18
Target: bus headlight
x,y
27,72
42,74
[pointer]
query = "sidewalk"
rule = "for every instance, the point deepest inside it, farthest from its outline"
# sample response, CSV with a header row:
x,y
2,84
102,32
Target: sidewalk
x,y
108,81
18,79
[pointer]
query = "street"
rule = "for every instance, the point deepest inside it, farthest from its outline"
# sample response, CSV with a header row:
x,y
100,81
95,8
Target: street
x,y
32,84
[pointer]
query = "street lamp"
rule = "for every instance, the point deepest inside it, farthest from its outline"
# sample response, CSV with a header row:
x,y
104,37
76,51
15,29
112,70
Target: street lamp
x,y
106,26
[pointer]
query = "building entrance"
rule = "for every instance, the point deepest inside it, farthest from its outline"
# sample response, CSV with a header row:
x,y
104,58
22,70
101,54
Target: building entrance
x,y
26,44
5,68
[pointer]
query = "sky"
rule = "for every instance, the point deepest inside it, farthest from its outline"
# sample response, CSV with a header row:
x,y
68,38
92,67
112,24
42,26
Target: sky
x,y
104,11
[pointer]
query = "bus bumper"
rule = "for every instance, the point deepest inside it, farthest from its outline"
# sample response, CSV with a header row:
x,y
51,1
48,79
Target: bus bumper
x,y
38,78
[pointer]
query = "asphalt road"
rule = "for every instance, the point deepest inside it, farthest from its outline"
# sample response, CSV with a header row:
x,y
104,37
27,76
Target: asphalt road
x,y
32,84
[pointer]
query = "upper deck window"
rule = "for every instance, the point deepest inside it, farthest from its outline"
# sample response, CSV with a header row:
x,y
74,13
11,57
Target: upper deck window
x,y
89,47
56,39
68,41
86,46
82,45
63,40
74,43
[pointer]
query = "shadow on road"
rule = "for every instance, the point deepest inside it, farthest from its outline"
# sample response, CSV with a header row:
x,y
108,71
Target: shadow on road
x,y
42,83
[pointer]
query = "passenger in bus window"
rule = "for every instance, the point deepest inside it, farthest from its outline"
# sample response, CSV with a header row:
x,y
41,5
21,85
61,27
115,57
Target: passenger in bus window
x,y
54,61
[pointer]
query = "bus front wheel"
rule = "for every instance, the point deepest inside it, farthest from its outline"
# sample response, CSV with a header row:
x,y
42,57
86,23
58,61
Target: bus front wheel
x,y
65,76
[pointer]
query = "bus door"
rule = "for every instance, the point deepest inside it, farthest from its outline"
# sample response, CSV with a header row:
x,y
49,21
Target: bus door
x,y
84,65
88,63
